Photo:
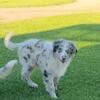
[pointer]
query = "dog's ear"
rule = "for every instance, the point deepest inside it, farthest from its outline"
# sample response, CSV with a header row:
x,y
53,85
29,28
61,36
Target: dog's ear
x,y
56,45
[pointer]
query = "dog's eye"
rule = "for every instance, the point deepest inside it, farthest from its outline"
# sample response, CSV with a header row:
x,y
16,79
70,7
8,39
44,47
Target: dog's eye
x,y
59,50
67,51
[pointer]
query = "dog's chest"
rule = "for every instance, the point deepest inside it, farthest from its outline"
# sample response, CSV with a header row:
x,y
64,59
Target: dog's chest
x,y
46,61
60,69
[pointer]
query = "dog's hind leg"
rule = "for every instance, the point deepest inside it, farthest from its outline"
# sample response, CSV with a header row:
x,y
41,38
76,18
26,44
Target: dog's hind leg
x,y
26,72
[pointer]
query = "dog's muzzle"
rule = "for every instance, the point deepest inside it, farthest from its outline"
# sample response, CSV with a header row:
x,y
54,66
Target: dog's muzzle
x,y
63,60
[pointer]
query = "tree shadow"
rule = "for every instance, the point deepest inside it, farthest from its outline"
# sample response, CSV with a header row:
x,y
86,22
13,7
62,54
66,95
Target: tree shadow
x,y
82,32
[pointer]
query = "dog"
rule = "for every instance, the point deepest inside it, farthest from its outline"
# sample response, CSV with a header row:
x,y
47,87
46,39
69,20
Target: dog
x,y
52,57
7,69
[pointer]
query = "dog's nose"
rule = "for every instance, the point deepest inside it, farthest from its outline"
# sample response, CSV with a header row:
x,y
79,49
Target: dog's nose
x,y
63,60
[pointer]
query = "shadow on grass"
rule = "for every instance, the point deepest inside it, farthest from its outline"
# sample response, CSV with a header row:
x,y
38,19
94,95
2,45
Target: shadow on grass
x,y
84,32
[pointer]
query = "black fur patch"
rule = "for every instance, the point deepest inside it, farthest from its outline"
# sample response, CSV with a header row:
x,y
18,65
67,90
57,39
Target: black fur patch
x,y
55,48
30,48
45,73
30,68
25,58
28,55
46,80
56,45
38,44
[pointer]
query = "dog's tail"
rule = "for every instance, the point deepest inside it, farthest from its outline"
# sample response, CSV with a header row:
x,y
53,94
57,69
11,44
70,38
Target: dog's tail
x,y
9,44
7,69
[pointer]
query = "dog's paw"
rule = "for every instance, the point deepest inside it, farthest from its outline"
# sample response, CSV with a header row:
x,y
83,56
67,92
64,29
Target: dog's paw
x,y
54,96
32,84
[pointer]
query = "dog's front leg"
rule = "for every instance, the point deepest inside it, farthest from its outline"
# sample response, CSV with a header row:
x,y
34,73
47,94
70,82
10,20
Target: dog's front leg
x,y
49,85
56,81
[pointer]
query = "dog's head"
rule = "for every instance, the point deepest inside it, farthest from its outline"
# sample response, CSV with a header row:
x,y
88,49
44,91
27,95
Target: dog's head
x,y
63,50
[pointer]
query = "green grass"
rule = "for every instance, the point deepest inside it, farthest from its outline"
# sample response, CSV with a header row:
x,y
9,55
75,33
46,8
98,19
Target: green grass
x,y
81,81
32,3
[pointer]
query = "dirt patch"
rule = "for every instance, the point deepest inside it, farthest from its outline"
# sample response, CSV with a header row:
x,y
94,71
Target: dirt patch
x,y
80,6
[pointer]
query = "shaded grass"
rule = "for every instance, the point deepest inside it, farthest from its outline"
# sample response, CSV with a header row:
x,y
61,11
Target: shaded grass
x,y
83,32
32,3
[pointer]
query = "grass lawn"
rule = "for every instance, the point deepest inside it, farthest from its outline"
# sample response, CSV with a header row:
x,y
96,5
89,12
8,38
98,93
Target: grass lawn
x,y
32,3
82,80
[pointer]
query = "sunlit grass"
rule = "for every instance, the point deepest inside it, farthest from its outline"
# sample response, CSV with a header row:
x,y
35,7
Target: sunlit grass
x,y
50,23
